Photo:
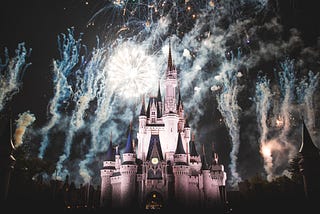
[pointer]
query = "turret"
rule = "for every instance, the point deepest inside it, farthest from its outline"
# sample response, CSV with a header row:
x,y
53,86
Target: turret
x,y
128,171
187,130
181,173
106,173
194,159
142,129
153,114
128,153
117,158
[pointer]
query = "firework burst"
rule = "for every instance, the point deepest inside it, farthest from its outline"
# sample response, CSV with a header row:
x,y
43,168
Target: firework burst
x,y
131,71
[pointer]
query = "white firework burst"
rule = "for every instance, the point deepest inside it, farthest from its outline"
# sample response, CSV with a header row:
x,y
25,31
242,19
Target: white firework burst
x,y
131,71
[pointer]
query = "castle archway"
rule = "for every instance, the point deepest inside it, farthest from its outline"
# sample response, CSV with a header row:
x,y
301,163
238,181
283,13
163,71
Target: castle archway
x,y
154,200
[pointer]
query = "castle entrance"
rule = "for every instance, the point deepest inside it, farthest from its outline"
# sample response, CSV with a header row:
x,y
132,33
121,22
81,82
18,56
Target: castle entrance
x,y
154,201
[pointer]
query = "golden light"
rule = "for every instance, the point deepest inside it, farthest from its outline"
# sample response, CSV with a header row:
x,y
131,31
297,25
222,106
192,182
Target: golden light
x,y
211,3
266,151
279,122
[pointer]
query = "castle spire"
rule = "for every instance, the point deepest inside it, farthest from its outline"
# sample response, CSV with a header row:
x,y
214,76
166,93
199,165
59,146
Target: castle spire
x,y
110,151
180,149
143,107
204,165
193,150
170,64
180,105
129,146
159,98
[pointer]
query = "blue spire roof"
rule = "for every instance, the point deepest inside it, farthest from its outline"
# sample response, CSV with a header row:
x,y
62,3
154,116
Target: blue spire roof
x,y
110,152
129,146
180,149
154,144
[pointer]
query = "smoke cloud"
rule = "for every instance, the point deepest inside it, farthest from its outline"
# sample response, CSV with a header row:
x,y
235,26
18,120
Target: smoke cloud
x,y
23,122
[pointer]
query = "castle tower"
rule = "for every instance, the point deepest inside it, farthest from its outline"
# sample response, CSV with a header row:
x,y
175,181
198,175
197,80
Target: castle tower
x,y
106,173
128,171
171,82
170,117
181,174
309,166
194,158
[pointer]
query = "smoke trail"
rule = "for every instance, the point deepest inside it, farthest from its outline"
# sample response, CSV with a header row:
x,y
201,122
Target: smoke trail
x,y
278,150
85,91
69,57
287,85
11,72
229,109
123,77
305,92
263,102
25,119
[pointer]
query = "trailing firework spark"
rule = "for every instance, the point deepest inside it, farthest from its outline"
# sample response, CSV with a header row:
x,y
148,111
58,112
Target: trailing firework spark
x,y
278,150
63,68
11,73
230,110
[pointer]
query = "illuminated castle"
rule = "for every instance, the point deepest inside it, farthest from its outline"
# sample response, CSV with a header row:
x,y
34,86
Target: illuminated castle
x,y
165,170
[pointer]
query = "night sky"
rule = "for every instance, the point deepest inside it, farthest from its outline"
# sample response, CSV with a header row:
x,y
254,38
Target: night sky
x,y
266,32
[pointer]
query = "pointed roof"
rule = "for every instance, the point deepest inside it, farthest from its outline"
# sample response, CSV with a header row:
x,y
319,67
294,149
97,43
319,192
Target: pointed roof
x,y
143,107
159,98
204,165
154,144
186,123
307,146
154,151
170,63
110,151
129,146
179,100
149,106
180,149
193,150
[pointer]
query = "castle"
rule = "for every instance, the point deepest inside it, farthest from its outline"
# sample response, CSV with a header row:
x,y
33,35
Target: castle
x,y
164,169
